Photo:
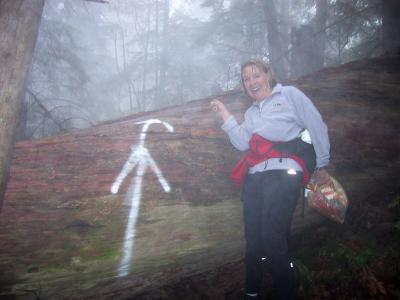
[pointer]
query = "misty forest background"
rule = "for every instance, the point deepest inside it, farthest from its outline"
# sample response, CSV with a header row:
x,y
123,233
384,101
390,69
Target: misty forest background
x,y
101,60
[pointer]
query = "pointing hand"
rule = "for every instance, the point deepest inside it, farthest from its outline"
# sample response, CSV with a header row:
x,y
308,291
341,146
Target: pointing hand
x,y
220,108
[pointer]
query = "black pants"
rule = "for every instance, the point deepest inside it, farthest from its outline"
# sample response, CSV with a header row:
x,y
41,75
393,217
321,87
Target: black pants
x,y
269,199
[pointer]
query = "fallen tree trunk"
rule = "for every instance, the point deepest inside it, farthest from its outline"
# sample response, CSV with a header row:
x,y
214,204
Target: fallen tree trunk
x,y
125,206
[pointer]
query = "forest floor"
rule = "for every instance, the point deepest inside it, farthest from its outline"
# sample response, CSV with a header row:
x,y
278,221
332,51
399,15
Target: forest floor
x,y
359,259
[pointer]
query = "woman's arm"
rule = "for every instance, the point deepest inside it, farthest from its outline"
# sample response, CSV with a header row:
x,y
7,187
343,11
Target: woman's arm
x,y
239,135
310,118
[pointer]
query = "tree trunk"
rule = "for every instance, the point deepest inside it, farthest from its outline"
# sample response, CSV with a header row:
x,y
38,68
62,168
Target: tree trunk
x,y
284,26
146,50
274,40
320,33
390,24
157,49
302,55
19,23
164,53
308,44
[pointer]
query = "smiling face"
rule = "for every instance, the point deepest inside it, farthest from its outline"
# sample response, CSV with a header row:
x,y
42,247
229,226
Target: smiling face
x,y
256,82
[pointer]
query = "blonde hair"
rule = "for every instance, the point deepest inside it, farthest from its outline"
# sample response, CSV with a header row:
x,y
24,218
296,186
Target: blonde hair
x,y
262,66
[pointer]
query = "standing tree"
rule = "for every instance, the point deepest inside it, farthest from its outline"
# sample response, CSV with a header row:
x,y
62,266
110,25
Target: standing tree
x,y
308,43
390,24
285,23
321,17
164,51
276,50
19,23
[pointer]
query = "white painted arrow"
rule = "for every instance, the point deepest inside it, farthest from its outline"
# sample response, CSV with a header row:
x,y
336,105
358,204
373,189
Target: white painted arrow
x,y
141,157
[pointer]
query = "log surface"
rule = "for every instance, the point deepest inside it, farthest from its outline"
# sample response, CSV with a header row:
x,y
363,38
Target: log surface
x,y
62,231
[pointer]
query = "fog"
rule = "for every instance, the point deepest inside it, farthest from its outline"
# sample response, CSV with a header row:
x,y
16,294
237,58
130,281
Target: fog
x,y
97,61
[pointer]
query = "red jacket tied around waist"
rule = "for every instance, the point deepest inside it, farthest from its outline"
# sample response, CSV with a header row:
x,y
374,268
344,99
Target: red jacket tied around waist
x,y
262,149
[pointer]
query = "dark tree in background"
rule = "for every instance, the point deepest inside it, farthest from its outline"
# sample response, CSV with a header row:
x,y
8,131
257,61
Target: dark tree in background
x,y
390,24
274,40
19,22
163,63
308,43
321,17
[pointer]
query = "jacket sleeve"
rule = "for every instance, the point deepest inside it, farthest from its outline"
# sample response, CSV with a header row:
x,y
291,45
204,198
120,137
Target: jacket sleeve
x,y
239,135
309,117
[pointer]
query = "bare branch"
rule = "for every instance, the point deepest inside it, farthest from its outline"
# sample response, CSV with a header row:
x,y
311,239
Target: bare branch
x,y
47,112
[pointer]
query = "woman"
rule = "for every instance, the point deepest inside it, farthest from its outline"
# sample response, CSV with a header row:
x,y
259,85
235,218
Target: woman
x,y
273,182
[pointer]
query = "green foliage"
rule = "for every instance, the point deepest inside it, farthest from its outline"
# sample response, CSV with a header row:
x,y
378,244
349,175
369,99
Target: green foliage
x,y
347,261
395,203
306,277
397,226
347,257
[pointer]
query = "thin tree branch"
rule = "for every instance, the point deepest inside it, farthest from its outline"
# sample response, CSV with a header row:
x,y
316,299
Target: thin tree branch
x,y
47,112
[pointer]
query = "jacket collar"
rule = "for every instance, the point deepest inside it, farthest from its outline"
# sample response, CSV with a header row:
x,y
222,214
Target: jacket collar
x,y
277,89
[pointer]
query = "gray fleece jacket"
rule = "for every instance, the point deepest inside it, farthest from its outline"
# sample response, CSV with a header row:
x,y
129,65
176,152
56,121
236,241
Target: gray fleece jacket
x,y
281,117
